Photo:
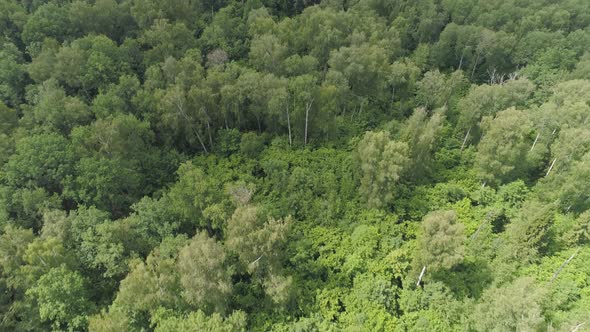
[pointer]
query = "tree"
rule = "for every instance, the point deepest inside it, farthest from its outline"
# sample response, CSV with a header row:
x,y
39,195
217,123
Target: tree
x,y
503,153
254,87
366,67
303,90
528,233
435,89
105,17
114,320
25,206
115,159
259,246
165,39
15,242
40,257
488,100
56,111
573,194
42,160
63,298
267,54
321,30
404,75
198,321
49,20
197,199
109,184
227,31
382,162
441,244
193,13
204,278
470,47
516,306
42,65
120,98
150,285
91,63
8,120
16,310
422,133
186,119
297,65
12,75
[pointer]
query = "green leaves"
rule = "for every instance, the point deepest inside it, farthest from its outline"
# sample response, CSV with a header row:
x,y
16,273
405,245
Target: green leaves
x,y
441,244
152,153
194,194
12,74
381,162
198,321
42,160
205,281
516,306
63,298
503,153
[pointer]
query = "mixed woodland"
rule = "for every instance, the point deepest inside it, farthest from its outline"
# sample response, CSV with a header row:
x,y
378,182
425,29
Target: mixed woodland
x,y
294,165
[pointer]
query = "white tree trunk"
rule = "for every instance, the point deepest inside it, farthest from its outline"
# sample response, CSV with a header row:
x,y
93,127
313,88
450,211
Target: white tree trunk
x,y
189,121
289,126
307,109
550,167
564,264
535,142
465,139
421,275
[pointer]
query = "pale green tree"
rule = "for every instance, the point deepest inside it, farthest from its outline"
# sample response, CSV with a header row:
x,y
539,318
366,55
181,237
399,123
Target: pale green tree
x,y
441,244
513,307
205,280
381,162
422,133
198,321
503,153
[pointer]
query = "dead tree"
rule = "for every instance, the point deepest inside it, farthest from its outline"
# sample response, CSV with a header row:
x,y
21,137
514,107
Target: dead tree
x,y
563,265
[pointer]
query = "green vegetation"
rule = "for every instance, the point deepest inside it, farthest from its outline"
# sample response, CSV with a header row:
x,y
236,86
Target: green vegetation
x,y
271,165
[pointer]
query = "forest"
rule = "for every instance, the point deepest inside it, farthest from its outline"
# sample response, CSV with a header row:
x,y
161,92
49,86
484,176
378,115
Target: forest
x,y
294,165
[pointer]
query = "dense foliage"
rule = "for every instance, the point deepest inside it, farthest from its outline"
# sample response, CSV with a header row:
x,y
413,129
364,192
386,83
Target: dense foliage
x,y
272,165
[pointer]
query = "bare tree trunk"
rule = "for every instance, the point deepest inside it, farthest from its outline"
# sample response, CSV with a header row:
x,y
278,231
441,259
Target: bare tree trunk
x,y
307,109
551,167
564,264
189,121
259,127
209,132
199,138
577,327
487,218
239,118
361,107
535,142
421,275
465,139
475,65
289,126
